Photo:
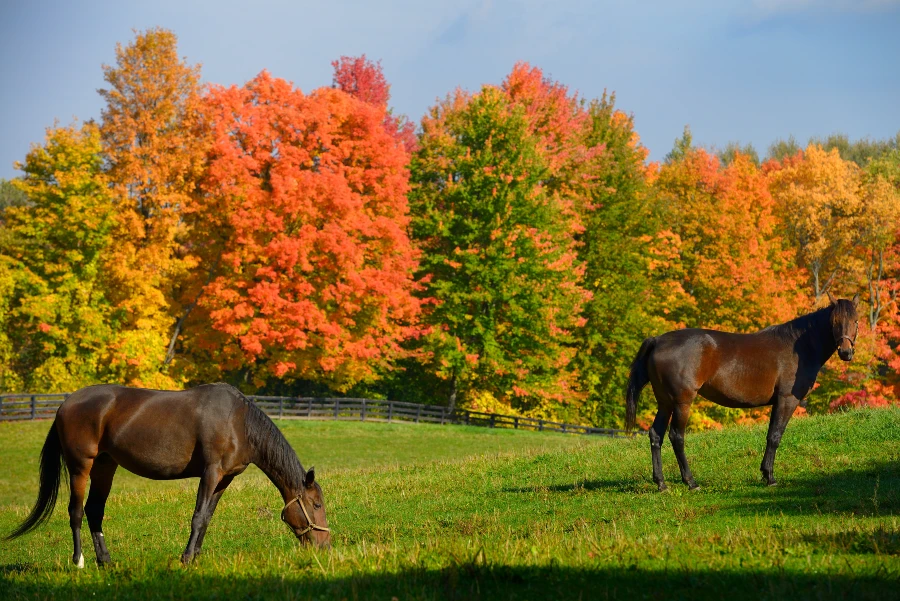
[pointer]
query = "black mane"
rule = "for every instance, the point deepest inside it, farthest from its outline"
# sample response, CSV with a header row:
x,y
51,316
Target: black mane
x,y
273,454
795,328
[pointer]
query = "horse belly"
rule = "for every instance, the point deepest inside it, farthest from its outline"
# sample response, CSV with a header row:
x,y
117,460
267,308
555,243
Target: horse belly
x,y
158,453
739,388
156,467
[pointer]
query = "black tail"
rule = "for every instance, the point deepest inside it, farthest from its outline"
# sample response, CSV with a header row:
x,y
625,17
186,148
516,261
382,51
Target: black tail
x,y
52,469
637,379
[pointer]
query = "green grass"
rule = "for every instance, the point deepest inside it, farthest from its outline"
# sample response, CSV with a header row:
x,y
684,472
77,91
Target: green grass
x,y
430,512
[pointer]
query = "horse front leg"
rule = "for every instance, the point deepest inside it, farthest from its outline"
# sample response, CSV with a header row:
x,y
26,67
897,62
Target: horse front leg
x,y
205,493
782,411
220,488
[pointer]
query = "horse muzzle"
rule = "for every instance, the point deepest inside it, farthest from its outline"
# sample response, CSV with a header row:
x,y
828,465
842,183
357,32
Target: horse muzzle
x,y
846,354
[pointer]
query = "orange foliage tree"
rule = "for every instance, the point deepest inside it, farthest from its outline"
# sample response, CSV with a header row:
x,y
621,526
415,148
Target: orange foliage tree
x,y
305,210
721,256
155,146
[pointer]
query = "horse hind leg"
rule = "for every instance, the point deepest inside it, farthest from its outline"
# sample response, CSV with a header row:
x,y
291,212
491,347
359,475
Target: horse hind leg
x,y
676,434
657,435
102,474
78,477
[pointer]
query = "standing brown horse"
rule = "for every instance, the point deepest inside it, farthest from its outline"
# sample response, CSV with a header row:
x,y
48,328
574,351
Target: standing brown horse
x,y
776,366
211,432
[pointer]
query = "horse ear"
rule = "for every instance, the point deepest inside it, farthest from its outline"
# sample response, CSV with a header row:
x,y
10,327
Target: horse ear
x,y
855,300
830,298
310,477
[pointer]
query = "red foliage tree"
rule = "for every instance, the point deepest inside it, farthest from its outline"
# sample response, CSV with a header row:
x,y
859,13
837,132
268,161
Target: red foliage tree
x,y
306,206
363,79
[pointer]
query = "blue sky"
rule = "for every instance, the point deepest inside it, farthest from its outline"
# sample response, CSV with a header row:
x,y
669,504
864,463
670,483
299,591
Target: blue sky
x,y
750,71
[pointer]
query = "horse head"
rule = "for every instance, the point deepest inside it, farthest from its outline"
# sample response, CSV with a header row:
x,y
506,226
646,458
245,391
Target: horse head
x,y
844,325
305,513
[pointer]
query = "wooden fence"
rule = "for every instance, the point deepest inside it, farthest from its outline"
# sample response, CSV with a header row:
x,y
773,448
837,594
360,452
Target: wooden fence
x,y
43,406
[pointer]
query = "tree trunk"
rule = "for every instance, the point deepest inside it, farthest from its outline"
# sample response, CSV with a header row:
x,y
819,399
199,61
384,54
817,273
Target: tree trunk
x,y
451,403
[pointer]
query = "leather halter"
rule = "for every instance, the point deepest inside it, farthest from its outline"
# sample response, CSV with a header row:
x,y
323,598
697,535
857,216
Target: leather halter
x,y
310,524
852,340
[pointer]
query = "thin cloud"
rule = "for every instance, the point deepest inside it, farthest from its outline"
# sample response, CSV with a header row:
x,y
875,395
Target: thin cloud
x,y
769,8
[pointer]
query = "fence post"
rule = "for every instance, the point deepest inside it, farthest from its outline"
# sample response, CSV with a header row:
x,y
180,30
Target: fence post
x,y
493,419
362,414
468,417
280,407
540,425
1,406
418,413
390,410
309,407
33,407
564,428
516,422
337,403
443,415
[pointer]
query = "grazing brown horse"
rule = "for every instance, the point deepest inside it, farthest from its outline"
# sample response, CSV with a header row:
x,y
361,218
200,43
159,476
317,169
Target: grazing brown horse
x,y
776,366
211,432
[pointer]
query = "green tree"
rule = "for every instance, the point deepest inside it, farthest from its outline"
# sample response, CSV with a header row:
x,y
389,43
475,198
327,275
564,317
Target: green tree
x,y
499,262
732,149
10,196
782,149
613,249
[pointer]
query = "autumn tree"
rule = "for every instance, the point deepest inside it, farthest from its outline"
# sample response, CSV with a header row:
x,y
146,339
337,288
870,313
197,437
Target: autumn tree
x,y
817,200
499,263
720,255
57,321
364,80
155,145
305,209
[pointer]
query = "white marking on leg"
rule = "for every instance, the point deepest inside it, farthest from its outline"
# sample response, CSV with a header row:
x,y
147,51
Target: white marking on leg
x,y
80,563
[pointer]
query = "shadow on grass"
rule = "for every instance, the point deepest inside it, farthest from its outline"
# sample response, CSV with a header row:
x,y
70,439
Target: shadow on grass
x,y
866,491
623,485
465,581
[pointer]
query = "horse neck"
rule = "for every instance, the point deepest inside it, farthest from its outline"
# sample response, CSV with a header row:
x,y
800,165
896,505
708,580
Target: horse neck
x,y
818,335
277,460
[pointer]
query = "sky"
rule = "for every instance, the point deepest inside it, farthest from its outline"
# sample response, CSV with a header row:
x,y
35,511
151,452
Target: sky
x,y
750,71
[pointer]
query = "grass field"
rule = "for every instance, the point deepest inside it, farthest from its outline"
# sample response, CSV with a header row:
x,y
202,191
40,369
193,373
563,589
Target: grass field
x,y
431,512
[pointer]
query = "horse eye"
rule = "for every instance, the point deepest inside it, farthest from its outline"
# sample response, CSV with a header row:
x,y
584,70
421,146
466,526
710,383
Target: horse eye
x,y
317,505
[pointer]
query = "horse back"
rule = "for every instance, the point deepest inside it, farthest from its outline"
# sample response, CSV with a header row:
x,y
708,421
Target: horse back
x,y
154,433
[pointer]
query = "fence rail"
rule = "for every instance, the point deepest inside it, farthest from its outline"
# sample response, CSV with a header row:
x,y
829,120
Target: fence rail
x,y
44,406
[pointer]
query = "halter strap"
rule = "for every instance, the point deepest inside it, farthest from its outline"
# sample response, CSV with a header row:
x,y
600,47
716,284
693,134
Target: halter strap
x,y
310,524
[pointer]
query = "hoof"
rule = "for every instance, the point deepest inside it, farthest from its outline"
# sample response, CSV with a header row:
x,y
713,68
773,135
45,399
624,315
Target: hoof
x,y
186,559
693,486
79,562
771,483
663,488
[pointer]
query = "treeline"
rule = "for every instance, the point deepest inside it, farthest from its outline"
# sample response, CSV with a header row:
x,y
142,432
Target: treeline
x,y
509,254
